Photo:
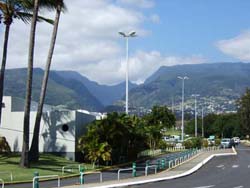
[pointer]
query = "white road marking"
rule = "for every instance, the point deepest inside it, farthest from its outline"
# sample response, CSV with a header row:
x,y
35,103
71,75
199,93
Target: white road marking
x,y
205,186
220,166
239,186
235,166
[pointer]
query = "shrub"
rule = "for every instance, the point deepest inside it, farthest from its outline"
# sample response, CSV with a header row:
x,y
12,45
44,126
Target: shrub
x,y
193,143
204,143
4,146
217,141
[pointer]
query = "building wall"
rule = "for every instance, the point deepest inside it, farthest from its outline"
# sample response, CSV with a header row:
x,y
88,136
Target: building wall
x,y
82,119
57,131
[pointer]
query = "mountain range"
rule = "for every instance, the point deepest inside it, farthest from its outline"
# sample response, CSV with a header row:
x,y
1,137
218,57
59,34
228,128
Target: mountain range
x,y
227,80
74,91
67,88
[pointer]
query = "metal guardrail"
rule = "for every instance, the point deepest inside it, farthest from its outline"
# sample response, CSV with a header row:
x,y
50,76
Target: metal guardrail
x,y
70,167
2,182
8,172
169,164
36,178
97,172
122,170
148,167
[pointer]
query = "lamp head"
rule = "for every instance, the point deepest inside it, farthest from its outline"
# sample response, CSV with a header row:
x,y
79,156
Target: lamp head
x,y
132,34
122,33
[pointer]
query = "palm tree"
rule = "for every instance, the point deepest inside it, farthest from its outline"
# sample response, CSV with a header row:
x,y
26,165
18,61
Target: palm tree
x,y
24,162
26,122
96,151
9,10
35,141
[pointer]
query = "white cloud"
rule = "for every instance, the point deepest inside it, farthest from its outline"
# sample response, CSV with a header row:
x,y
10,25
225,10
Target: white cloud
x,y
88,42
237,47
138,3
141,66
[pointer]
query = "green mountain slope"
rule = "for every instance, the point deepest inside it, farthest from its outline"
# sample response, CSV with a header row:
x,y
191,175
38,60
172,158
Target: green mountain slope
x,y
227,80
68,92
106,94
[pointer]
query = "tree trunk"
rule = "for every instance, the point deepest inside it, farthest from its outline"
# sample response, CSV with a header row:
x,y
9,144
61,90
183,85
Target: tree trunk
x,y
24,162
4,60
35,141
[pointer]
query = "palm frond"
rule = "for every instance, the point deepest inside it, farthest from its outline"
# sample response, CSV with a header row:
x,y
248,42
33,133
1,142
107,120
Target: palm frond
x,y
41,18
27,17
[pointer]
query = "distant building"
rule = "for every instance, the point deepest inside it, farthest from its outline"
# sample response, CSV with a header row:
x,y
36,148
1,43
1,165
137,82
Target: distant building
x,y
59,130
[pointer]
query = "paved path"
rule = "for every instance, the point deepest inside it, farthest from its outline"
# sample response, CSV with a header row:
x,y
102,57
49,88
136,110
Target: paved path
x,y
184,169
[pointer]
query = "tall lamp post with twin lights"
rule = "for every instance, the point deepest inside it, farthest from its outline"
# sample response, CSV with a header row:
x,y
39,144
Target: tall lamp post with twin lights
x,y
182,106
126,36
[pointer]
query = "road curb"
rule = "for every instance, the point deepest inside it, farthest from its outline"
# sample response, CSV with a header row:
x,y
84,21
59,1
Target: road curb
x,y
191,171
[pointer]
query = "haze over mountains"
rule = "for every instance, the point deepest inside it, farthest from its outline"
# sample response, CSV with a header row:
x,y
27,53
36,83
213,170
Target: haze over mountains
x,y
74,91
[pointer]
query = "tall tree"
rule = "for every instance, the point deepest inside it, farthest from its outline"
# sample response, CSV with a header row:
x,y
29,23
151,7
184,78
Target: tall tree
x,y
10,10
24,162
244,111
35,141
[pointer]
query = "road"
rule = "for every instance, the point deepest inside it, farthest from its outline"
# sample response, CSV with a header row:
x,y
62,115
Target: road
x,y
220,172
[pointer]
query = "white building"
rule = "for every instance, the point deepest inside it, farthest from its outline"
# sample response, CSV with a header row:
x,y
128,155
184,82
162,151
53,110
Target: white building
x,y
59,130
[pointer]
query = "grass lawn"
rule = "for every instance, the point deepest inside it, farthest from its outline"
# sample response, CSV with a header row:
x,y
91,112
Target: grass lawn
x,y
173,131
47,165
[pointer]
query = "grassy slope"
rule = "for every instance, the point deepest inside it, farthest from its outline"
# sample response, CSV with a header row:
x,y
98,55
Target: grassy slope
x,y
48,165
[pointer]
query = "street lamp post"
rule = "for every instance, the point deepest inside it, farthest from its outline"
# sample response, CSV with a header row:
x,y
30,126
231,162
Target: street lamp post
x,y
126,36
182,106
202,122
195,113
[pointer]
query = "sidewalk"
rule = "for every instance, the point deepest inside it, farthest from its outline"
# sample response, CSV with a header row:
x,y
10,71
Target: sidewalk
x,y
186,168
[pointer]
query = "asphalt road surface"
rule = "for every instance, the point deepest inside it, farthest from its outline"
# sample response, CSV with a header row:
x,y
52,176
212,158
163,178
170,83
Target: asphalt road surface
x,y
220,172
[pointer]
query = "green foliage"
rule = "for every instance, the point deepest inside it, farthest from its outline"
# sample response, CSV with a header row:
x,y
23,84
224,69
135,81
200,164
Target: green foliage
x,y
95,150
221,125
204,143
156,122
126,135
217,141
244,112
4,146
193,143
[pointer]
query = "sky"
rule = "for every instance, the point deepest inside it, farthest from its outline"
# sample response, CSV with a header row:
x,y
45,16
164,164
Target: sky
x,y
169,32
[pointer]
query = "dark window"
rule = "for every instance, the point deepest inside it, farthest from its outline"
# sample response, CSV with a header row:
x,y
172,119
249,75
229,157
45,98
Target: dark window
x,y
65,127
3,105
